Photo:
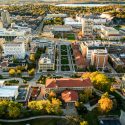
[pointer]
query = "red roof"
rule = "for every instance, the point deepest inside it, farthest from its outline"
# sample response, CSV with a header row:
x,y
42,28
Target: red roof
x,y
69,96
114,35
79,60
68,83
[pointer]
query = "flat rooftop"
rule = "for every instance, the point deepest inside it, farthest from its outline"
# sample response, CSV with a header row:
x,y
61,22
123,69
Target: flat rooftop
x,y
8,91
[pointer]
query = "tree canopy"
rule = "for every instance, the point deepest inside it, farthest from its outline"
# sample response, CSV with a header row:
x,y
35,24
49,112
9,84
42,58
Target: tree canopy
x,y
99,80
105,103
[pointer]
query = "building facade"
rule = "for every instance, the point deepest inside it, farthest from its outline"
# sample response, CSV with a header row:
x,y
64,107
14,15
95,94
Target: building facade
x,y
87,27
99,58
16,49
5,17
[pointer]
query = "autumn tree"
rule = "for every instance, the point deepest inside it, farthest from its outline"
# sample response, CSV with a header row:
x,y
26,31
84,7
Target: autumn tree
x,y
52,94
14,112
105,103
84,123
12,72
18,72
99,80
31,72
47,106
32,57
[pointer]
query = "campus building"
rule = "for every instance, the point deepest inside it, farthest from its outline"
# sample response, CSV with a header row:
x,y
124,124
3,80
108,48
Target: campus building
x,y
16,49
8,92
5,17
87,27
47,60
99,58
110,33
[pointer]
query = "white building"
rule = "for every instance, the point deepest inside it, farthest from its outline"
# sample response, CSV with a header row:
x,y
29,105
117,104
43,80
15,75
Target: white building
x,y
21,28
97,20
5,17
74,23
57,28
106,16
16,49
8,92
23,39
110,33
11,32
87,27
57,15
47,60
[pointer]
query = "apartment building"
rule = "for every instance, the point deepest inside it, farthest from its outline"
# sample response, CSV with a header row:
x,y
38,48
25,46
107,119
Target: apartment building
x,y
99,58
16,49
87,48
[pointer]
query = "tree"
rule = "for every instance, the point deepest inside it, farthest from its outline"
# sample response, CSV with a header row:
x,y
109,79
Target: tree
x,y
46,106
52,94
14,112
84,123
99,80
105,103
18,72
3,106
12,72
31,72
32,57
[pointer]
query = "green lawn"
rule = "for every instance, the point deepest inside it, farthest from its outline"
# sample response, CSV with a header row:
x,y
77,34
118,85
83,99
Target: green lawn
x,y
64,60
63,47
63,52
70,36
65,68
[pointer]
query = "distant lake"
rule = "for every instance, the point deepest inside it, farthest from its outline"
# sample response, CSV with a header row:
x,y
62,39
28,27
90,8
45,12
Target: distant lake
x,y
85,5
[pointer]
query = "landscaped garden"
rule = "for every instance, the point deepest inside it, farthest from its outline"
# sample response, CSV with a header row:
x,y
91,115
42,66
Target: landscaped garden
x,y
70,36
64,60
65,68
11,82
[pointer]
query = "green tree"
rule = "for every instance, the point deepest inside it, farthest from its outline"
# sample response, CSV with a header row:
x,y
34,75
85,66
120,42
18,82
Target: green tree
x,y
14,112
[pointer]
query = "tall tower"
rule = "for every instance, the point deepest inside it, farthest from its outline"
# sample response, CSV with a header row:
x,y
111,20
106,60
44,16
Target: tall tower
x,y
87,27
5,17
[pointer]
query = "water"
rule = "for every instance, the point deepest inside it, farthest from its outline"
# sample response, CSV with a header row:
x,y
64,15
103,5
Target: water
x,y
84,5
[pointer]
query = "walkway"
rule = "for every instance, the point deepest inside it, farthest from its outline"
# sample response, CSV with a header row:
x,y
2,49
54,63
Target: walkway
x,y
31,118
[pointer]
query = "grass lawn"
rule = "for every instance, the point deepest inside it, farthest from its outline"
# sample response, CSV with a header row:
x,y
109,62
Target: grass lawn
x,y
65,68
63,52
63,47
70,36
64,60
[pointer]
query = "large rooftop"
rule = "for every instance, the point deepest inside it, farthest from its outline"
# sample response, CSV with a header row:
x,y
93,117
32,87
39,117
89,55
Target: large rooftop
x,y
8,91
